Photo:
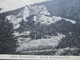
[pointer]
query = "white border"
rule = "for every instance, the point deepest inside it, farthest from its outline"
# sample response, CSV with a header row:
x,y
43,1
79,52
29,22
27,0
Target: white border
x,y
39,57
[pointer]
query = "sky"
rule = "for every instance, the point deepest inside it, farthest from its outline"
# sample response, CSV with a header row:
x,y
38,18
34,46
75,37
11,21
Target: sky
x,y
14,4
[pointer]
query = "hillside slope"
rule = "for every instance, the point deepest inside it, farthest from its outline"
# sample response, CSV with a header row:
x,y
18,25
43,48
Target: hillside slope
x,y
40,36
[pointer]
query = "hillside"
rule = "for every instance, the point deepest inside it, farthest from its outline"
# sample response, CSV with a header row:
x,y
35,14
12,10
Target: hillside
x,y
57,33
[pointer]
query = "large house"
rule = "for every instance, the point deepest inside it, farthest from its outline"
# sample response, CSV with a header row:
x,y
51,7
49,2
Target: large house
x,y
37,11
32,10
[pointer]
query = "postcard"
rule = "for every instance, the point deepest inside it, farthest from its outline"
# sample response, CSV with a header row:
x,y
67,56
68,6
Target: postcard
x,y
41,29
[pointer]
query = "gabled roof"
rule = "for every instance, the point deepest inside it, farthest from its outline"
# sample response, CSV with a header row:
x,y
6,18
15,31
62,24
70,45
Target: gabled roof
x,y
20,14
34,10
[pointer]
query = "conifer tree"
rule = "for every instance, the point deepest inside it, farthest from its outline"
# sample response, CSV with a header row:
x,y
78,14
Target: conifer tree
x,y
7,40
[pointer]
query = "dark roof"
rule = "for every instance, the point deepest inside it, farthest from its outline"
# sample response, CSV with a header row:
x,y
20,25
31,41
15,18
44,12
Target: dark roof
x,y
34,10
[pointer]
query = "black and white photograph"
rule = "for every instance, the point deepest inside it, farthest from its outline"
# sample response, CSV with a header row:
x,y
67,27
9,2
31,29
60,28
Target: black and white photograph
x,y
40,27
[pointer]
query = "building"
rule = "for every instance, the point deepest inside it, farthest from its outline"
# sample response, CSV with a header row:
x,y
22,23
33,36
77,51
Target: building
x,y
35,11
